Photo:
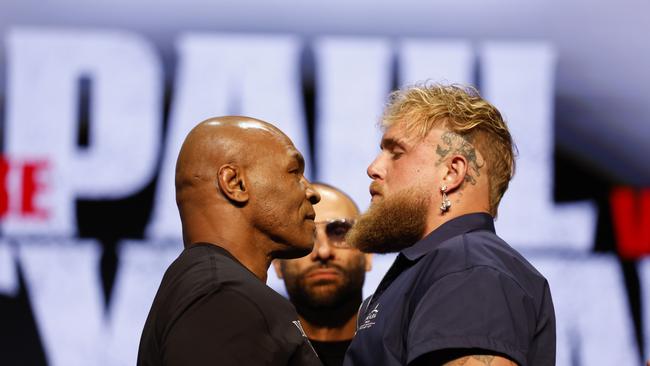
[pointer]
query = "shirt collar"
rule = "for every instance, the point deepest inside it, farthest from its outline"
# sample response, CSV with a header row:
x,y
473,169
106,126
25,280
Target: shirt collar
x,y
457,226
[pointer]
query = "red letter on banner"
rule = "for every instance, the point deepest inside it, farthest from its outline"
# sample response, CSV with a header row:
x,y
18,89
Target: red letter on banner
x,y
31,187
631,218
4,194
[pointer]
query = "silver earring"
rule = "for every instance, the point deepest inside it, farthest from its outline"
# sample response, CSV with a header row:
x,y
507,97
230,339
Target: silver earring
x,y
446,203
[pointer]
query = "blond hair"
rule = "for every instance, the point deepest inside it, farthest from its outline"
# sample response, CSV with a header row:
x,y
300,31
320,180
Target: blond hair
x,y
459,109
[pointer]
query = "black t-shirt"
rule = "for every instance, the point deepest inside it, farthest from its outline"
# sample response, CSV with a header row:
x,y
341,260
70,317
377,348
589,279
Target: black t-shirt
x,y
461,290
331,353
211,310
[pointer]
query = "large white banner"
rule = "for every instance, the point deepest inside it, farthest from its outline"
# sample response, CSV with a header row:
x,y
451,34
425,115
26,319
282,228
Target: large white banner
x,y
127,148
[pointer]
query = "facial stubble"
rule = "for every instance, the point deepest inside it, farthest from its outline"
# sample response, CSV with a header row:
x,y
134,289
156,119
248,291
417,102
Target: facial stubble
x,y
326,303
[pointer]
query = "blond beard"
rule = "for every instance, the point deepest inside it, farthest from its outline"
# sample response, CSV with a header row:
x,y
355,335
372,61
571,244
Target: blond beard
x,y
391,224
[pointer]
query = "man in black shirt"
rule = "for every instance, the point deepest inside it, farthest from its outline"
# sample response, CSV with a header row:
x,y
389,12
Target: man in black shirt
x,y
243,201
456,294
326,286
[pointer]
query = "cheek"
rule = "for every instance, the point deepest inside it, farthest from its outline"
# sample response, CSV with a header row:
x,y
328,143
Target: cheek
x,y
412,172
350,260
287,202
399,178
295,193
298,265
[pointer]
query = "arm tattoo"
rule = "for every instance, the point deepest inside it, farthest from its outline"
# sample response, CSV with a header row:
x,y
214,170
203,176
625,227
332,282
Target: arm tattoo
x,y
456,144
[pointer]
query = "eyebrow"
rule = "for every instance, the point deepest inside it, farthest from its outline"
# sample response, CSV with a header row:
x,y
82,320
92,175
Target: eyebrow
x,y
301,160
389,142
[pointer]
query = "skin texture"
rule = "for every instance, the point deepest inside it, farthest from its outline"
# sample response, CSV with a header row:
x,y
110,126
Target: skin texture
x,y
325,286
240,185
408,168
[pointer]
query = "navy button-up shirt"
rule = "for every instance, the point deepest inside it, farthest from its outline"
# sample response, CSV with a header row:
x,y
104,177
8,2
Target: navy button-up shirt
x,y
460,287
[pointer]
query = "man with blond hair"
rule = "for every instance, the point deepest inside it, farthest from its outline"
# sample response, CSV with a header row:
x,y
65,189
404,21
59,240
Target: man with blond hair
x,y
456,294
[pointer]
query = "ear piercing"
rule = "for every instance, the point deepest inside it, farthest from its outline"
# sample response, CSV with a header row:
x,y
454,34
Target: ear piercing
x,y
446,203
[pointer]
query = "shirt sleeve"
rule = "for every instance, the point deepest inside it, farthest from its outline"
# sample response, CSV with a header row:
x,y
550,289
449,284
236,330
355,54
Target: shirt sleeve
x,y
478,308
222,328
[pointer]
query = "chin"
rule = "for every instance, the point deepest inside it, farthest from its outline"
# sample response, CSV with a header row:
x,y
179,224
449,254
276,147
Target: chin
x,y
324,288
324,297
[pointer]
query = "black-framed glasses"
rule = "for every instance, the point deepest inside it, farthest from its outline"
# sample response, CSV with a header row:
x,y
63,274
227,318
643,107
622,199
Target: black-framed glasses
x,y
335,230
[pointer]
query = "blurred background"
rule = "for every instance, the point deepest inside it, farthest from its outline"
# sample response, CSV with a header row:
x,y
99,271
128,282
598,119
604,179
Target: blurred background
x,y
95,98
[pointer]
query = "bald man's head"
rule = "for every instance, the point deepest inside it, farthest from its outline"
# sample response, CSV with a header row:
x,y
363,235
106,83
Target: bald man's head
x,y
243,172
332,196
219,141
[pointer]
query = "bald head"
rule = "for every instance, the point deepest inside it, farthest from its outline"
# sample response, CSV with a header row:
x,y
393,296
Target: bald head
x,y
218,141
334,202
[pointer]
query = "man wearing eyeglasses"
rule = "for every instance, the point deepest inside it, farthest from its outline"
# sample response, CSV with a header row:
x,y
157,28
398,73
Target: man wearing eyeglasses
x,y
325,286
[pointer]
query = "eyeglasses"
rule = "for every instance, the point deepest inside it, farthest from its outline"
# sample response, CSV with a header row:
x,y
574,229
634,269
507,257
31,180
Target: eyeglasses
x,y
335,230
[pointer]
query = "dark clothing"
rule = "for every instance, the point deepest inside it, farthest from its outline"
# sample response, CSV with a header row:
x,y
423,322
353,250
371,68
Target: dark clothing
x,y
459,288
211,310
331,353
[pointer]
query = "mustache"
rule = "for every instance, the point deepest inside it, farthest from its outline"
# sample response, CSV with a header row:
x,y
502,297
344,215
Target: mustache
x,y
314,267
374,186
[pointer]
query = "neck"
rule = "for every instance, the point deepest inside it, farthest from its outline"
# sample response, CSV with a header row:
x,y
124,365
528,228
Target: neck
x,y
440,218
323,333
231,234
331,323
462,203
446,217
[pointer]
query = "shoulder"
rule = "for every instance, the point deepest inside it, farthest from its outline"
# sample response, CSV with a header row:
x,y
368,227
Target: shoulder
x,y
474,291
228,308
474,308
207,268
205,273
219,328
197,271
217,274
482,252
221,275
